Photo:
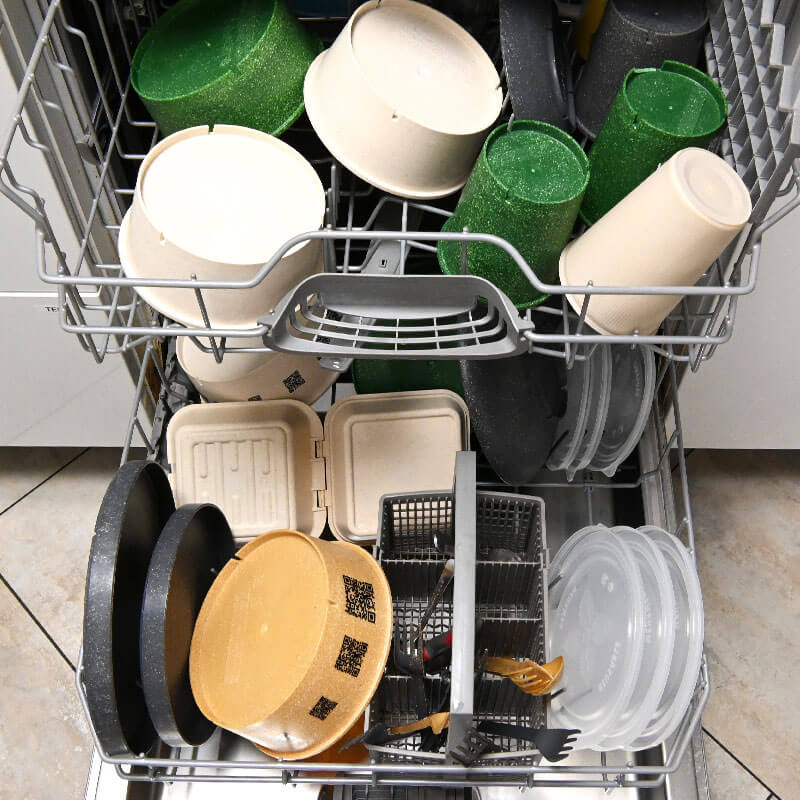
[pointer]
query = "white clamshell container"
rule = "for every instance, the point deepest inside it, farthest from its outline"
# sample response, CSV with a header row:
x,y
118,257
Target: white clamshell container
x,y
218,204
404,98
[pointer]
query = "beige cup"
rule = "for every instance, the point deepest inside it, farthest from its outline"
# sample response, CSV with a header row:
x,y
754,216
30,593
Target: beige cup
x,y
666,232
291,642
253,376
218,205
403,98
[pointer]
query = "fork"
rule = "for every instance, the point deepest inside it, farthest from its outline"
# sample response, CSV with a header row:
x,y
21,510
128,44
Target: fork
x,y
531,677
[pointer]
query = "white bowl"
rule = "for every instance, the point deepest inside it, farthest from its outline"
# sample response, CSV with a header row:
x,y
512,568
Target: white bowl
x,y
404,98
218,205
253,376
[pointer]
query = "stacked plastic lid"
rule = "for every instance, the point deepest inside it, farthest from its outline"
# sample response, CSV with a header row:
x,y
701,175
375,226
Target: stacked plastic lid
x,y
626,613
610,391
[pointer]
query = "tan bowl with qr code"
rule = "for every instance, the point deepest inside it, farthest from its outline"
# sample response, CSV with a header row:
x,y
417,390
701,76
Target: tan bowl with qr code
x,y
291,642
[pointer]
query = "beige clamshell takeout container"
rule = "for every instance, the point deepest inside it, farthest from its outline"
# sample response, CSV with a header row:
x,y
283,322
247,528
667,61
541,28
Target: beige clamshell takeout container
x,y
217,204
404,98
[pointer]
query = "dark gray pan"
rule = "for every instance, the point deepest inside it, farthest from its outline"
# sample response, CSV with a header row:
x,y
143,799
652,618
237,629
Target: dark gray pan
x,y
135,508
194,545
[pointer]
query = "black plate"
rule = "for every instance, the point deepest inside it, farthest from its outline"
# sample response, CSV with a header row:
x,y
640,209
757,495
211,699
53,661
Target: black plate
x,y
514,406
535,60
136,506
194,545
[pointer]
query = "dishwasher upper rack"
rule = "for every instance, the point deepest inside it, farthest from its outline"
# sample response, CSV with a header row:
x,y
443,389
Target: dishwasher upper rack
x,y
76,107
660,480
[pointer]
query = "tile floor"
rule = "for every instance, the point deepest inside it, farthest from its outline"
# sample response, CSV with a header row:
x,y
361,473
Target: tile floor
x,y
746,506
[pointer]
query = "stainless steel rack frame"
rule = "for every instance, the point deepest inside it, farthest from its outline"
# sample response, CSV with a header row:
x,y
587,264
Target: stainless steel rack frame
x,y
659,482
76,108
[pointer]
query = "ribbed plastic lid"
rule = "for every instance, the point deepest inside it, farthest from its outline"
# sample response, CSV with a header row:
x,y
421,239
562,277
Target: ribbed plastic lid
x,y
688,651
569,430
659,640
596,603
633,380
599,397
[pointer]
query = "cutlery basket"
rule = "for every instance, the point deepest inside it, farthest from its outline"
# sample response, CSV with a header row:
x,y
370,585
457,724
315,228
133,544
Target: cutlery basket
x,y
499,609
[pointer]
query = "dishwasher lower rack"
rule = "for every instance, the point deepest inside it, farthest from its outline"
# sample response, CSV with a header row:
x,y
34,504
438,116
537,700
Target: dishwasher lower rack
x,y
654,491
76,109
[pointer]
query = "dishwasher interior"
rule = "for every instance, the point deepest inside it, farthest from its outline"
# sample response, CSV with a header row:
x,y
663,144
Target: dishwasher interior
x,y
77,108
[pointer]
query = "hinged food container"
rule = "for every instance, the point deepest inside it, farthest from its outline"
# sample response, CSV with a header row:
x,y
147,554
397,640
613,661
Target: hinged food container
x,y
272,465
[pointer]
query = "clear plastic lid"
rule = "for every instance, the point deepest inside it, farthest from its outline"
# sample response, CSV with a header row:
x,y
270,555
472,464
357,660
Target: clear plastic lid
x,y
570,543
659,640
599,397
570,427
688,651
596,604
633,381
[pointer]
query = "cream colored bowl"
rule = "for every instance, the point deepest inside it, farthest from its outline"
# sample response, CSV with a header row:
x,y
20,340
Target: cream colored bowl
x,y
404,98
218,205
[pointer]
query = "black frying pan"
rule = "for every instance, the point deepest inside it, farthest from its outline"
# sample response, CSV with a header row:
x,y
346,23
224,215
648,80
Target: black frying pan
x,y
135,508
194,545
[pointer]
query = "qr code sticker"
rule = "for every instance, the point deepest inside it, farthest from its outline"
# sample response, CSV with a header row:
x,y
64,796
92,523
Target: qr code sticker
x,y
359,598
294,381
351,656
322,708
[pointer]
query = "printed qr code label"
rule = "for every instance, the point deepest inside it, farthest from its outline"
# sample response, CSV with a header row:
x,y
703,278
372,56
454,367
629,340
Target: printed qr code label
x,y
359,598
351,656
322,708
294,381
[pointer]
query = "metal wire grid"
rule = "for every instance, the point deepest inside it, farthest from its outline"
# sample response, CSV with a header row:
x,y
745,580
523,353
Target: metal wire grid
x,y
69,124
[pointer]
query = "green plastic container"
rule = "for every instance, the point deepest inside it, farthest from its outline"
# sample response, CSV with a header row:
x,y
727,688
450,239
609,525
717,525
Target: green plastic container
x,y
238,62
377,375
527,186
656,113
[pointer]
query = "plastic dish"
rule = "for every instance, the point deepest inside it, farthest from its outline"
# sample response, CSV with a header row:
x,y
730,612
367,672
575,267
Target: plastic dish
x,y
291,642
218,205
571,426
659,640
598,410
253,376
570,543
597,620
404,98
633,382
688,652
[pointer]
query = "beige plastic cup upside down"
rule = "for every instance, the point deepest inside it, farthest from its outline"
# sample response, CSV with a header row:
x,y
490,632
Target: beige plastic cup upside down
x,y
666,232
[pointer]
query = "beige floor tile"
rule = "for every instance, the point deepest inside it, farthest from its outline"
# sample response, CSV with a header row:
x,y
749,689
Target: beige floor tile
x,y
46,540
44,740
21,468
727,779
747,512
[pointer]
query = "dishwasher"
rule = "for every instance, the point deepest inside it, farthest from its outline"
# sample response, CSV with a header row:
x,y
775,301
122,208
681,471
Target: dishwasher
x,y
77,108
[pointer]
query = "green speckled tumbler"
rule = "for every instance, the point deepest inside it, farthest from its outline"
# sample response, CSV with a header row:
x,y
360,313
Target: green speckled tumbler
x,y
241,62
378,375
656,113
526,187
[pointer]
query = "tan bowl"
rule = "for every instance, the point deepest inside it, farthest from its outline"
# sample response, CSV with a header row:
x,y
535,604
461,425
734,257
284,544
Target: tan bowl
x,y
291,642
218,205
666,232
404,98
254,376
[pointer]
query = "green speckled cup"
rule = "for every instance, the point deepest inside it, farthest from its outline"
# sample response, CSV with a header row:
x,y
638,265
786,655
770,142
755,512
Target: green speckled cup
x,y
379,375
526,187
240,62
656,113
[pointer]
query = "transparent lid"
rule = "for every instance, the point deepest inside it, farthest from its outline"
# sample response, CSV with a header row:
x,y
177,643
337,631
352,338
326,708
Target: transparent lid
x,y
570,427
597,625
688,651
633,380
599,396
659,640
570,543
